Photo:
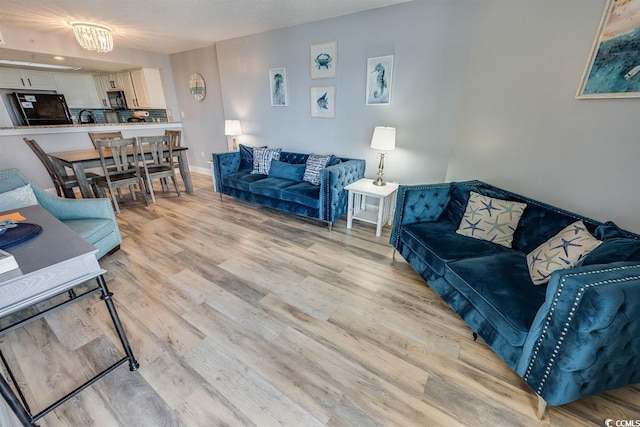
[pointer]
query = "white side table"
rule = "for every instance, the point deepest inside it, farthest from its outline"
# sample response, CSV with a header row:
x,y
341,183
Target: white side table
x,y
376,214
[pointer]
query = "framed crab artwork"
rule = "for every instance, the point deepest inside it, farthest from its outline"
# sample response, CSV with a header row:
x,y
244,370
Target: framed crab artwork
x,y
379,74
324,60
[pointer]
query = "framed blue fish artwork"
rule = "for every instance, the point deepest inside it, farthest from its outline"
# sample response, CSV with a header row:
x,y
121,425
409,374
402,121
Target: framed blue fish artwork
x,y
379,79
323,101
324,60
278,87
613,69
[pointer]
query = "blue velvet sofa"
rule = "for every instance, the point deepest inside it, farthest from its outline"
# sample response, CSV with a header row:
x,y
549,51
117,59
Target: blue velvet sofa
x,y
326,202
576,336
93,219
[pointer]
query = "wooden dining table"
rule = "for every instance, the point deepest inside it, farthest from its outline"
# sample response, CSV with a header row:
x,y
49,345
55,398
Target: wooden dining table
x,y
80,160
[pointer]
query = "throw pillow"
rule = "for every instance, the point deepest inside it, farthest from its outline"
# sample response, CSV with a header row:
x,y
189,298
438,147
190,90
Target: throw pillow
x,y
491,219
262,159
315,163
285,170
246,156
564,250
20,197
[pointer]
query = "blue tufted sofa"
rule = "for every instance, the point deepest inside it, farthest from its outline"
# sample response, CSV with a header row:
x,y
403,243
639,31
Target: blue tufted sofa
x,y
326,202
577,336
93,219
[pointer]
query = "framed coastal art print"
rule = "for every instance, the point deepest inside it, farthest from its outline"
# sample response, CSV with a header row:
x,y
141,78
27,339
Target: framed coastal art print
x,y
323,101
379,74
324,60
278,87
613,68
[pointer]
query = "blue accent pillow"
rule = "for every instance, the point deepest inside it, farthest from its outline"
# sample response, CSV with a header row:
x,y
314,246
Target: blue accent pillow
x,y
285,170
614,250
246,156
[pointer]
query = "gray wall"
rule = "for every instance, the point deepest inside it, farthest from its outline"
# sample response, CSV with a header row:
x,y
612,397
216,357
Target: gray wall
x,y
429,40
520,126
202,121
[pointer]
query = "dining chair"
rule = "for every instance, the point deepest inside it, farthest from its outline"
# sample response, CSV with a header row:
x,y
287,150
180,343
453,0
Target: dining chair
x,y
124,172
104,135
161,163
175,135
63,184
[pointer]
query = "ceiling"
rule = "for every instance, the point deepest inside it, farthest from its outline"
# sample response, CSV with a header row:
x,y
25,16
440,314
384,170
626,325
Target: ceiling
x,y
170,26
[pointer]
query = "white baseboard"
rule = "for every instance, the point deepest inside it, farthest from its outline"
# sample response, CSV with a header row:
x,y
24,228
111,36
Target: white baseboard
x,y
198,169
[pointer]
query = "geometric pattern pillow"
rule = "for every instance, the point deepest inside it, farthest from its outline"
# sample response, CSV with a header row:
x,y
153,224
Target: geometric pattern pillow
x,y
491,219
564,250
315,163
262,159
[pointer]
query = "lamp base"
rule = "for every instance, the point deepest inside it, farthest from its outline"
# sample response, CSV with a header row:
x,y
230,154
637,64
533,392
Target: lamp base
x,y
379,182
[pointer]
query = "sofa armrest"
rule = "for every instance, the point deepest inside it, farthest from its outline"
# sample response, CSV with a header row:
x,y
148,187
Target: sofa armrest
x,y
224,164
333,179
418,203
585,338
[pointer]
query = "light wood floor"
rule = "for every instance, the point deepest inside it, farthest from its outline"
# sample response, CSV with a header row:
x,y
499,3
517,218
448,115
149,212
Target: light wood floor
x,y
242,315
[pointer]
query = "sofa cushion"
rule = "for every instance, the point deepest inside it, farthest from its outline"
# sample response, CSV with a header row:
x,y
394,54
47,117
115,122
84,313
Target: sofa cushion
x,y
241,180
286,170
315,163
564,250
262,159
270,187
500,288
17,198
304,193
614,250
491,219
437,243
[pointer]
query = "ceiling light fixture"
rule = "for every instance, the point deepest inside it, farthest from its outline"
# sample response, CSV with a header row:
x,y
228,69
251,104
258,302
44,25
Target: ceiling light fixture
x,y
95,37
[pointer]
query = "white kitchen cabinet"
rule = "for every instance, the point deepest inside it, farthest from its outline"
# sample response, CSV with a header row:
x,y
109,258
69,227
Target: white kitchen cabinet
x,y
14,78
148,88
78,89
129,90
100,83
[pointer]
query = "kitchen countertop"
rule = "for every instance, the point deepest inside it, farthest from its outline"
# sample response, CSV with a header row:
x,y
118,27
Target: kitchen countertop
x,y
93,127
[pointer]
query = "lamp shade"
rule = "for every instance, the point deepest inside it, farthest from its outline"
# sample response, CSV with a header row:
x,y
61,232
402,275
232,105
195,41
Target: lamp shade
x,y
92,36
232,127
384,138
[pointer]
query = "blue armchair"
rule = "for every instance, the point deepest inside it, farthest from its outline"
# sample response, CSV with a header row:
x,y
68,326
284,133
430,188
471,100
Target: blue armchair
x,y
93,219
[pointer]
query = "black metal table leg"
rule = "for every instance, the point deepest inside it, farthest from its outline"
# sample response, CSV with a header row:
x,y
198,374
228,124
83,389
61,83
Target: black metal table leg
x,y
12,400
106,297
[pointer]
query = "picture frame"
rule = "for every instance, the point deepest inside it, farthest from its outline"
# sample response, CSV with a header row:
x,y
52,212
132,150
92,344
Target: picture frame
x,y
379,80
324,60
613,67
278,87
323,101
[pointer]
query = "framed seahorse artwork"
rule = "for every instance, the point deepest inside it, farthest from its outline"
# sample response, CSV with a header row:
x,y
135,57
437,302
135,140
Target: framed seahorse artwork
x,y
324,60
278,87
379,80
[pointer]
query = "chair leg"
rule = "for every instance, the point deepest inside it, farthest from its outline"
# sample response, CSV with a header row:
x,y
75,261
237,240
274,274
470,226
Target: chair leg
x,y
132,190
114,199
144,193
150,189
175,184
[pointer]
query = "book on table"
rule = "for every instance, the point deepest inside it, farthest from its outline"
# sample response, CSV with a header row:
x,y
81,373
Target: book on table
x,y
7,262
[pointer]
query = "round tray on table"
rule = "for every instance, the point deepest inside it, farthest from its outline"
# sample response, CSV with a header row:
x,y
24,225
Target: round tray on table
x,y
23,232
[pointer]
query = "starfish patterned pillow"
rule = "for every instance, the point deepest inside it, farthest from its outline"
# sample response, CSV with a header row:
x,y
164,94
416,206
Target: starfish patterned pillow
x,y
491,219
564,250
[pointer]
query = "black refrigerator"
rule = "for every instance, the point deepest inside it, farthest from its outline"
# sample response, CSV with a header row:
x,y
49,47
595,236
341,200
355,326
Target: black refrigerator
x,y
42,108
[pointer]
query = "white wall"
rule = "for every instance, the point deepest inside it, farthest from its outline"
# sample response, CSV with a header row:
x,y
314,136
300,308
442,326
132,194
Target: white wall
x,y
429,40
520,126
202,121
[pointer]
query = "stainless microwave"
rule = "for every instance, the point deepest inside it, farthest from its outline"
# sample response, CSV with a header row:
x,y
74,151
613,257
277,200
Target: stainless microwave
x,y
117,100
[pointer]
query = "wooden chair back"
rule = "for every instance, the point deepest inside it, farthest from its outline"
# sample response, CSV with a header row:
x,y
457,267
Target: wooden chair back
x,y
104,135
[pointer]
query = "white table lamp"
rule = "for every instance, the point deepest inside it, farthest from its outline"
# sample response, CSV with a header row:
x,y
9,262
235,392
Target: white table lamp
x,y
232,128
383,140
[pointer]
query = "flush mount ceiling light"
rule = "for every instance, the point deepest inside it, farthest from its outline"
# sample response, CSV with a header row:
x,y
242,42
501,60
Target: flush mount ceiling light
x,y
95,37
